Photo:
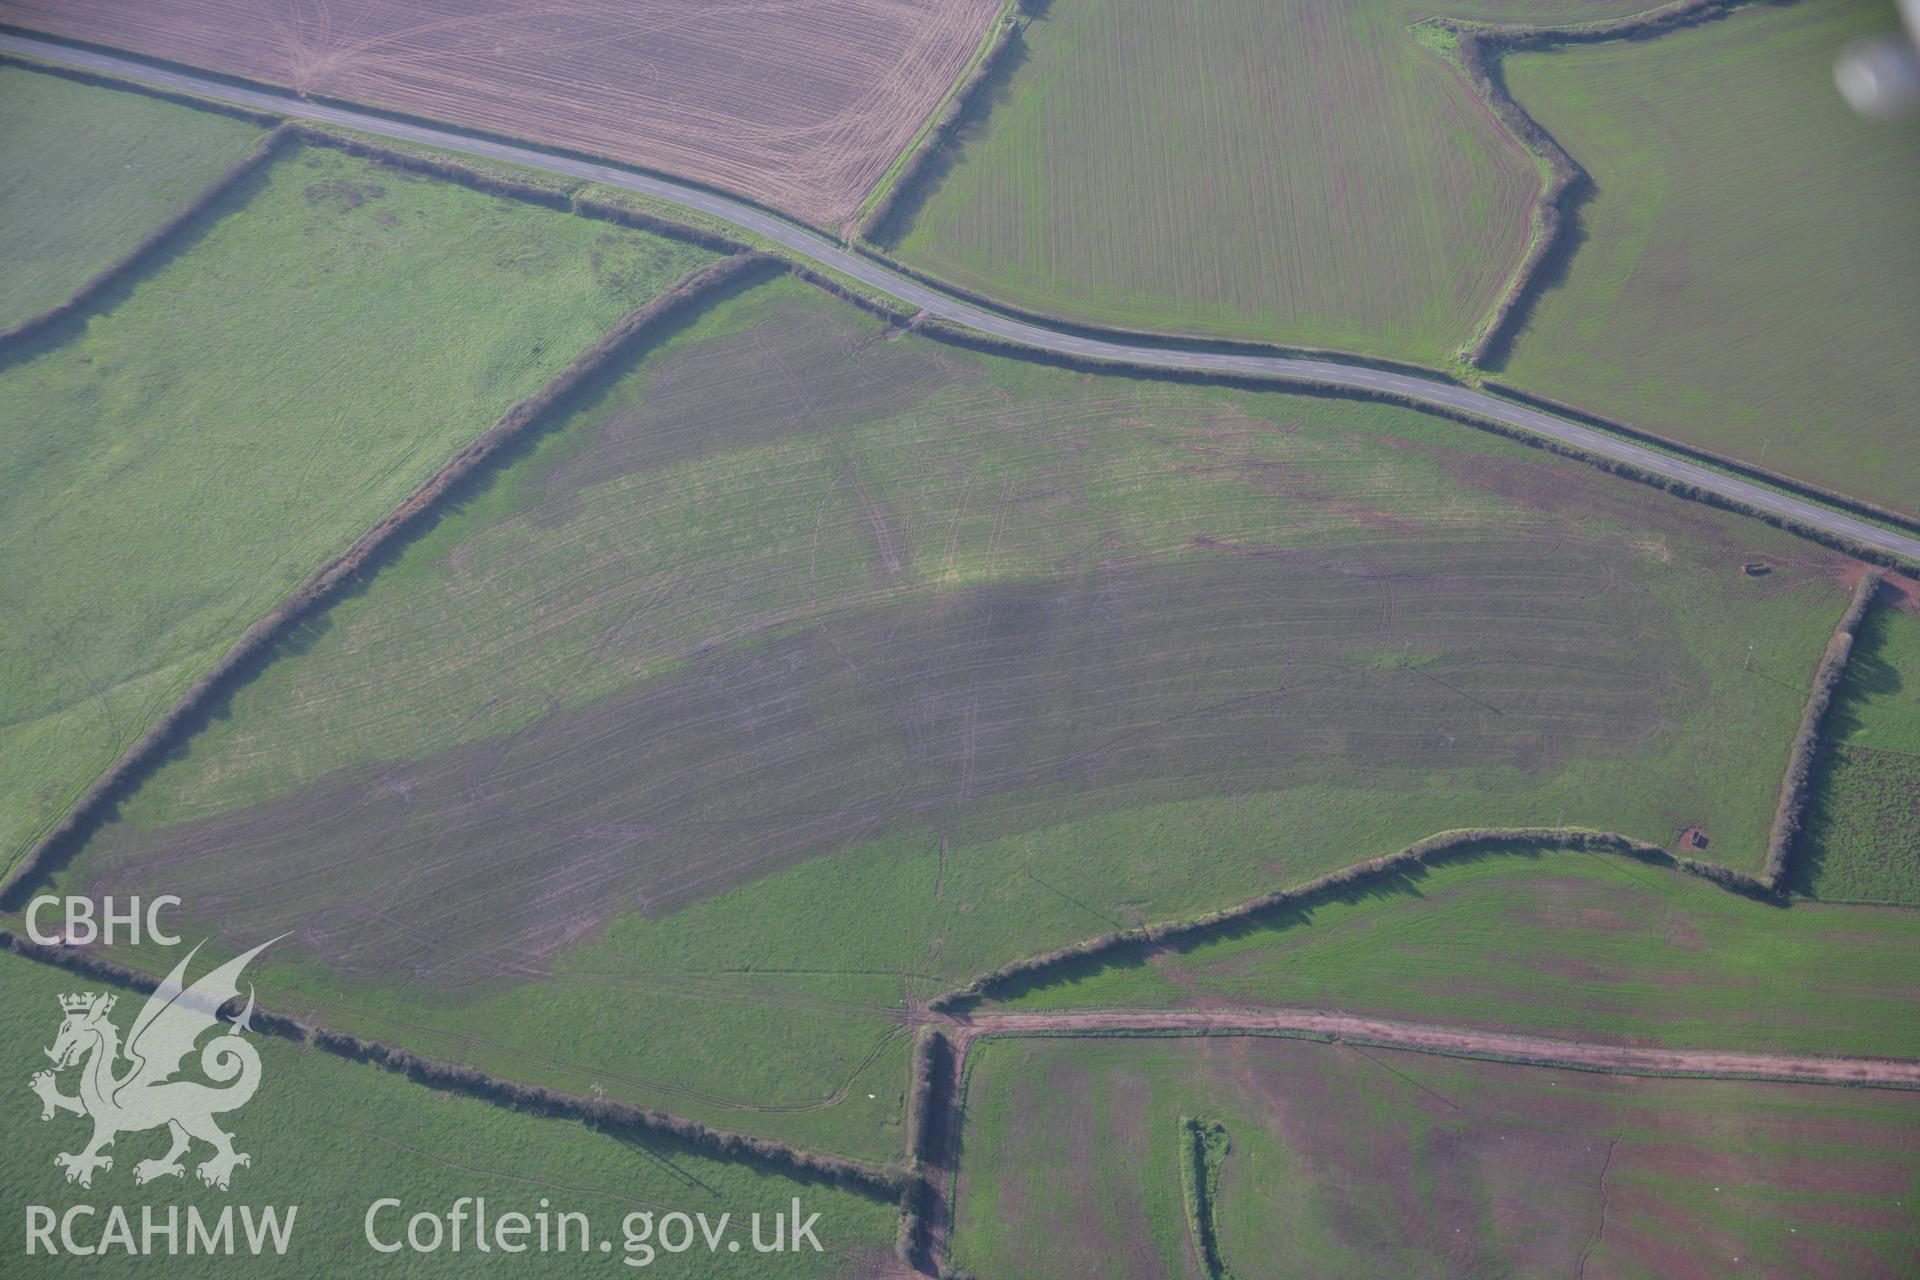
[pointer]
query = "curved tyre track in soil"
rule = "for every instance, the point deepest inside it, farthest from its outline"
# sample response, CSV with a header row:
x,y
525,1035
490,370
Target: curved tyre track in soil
x,y
1430,392
963,1030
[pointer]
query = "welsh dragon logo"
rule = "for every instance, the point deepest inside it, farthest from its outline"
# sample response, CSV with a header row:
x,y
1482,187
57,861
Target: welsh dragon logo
x,y
144,1093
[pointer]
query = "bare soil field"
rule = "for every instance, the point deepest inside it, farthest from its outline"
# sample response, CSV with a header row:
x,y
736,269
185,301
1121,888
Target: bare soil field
x,y
801,104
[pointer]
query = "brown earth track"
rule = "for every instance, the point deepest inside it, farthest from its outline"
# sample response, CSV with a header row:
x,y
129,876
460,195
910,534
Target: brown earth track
x,y
801,105
1882,1073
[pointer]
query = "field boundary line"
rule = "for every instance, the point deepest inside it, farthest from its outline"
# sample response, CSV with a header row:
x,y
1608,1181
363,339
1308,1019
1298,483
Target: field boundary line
x,y
158,241
1435,849
1475,49
897,181
105,80
1198,1174
1159,341
1796,784
1694,483
1698,453
60,841
606,1115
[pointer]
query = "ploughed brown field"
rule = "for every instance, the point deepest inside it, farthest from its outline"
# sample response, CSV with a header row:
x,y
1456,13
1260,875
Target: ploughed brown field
x,y
801,104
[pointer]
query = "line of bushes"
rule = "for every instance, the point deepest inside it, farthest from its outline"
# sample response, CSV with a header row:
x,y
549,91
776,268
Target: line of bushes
x,y
1796,785
1144,337
943,331
79,75
1727,878
893,314
603,1114
160,239
464,175
639,220
81,961
610,1116
940,133
1203,1150
910,1233
1712,458
932,1067
1477,50
435,167
587,207
931,1079
1552,214
1430,851
329,577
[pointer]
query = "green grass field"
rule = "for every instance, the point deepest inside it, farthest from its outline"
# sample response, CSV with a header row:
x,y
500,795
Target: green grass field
x,y
1357,1161
807,672
331,1137
1585,946
1302,173
246,410
1749,278
106,169
1862,840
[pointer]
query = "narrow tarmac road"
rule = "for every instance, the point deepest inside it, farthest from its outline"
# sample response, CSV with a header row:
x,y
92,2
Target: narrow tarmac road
x,y
911,292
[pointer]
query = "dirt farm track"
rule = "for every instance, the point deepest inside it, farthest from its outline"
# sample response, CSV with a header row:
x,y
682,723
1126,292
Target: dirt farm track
x,y
800,104
1885,1073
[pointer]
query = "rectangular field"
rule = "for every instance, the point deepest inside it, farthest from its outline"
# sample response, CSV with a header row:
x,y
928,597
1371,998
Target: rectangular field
x,y
799,105
1351,1161
1302,172
1572,945
810,668
171,466
332,1137
1749,277
107,168
1862,840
